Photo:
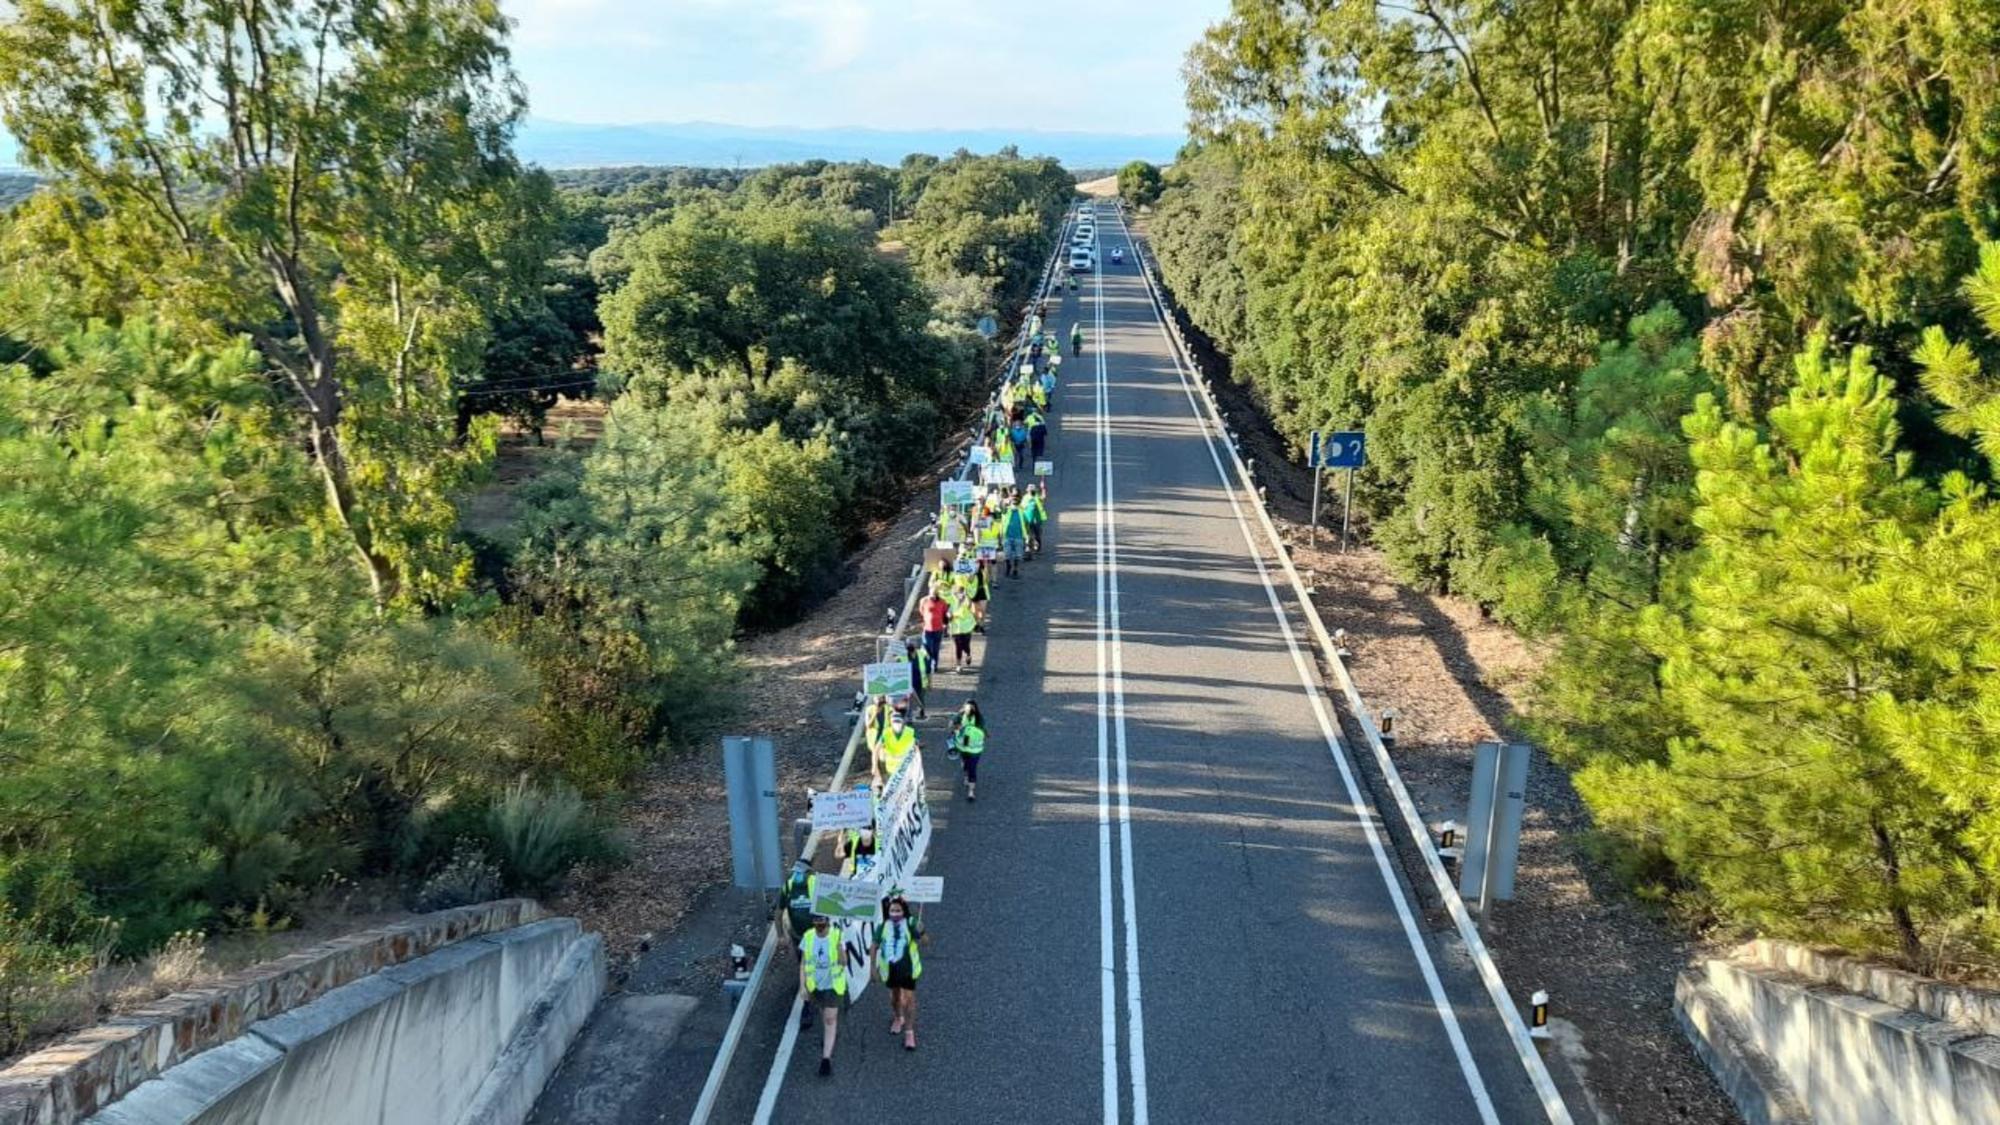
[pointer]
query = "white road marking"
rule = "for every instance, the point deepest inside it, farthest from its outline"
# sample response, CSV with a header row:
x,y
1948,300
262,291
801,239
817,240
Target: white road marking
x,y
775,1081
1108,563
1477,1085
1106,947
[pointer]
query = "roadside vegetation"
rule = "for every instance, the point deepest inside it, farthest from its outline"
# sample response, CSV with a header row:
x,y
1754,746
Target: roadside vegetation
x,y
1673,326
252,369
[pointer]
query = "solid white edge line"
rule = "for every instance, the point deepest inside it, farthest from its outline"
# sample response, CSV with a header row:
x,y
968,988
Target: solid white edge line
x,y
1135,1015
767,1102
1467,1066
1489,973
725,1053
1106,949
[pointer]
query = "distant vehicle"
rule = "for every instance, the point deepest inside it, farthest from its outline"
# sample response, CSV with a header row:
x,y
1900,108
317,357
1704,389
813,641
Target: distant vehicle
x,y
1082,236
1079,259
1117,255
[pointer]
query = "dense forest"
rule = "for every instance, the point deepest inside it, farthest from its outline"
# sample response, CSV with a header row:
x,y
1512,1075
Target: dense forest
x,y
260,331
1673,325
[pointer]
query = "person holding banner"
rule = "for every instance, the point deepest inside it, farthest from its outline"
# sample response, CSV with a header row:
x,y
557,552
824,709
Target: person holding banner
x,y
898,964
823,976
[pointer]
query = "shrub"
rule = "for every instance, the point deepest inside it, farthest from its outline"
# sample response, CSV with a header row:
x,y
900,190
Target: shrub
x,y
468,878
537,835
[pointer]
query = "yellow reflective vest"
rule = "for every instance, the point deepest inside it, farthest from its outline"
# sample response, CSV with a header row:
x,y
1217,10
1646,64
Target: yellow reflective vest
x,y
895,748
825,968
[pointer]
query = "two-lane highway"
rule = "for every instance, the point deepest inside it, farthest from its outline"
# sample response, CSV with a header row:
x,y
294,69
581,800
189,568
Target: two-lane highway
x,y
1171,902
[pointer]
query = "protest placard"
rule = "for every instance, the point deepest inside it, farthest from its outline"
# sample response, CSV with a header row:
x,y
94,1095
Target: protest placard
x,y
989,553
853,809
921,888
965,566
955,493
890,678
997,472
981,455
1045,468
847,900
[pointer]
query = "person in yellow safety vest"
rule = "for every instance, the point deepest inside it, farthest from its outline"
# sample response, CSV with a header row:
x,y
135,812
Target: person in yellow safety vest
x,y
962,622
1003,446
794,915
823,976
899,964
920,672
1007,398
1039,396
855,845
878,720
1038,514
969,739
898,743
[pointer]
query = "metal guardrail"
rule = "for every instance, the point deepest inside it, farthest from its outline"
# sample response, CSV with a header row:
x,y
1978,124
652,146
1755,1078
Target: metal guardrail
x,y
1468,932
725,1054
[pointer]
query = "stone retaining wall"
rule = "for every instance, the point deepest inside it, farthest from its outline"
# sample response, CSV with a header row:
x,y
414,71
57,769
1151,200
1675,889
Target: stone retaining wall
x,y
74,1079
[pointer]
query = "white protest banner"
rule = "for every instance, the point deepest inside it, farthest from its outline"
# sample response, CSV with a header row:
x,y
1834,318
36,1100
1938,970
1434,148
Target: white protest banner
x,y
997,472
902,837
890,678
956,493
852,809
981,455
847,900
1045,468
921,888
903,825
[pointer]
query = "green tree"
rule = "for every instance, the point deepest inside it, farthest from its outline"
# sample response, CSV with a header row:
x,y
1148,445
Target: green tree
x,y
1139,183
325,177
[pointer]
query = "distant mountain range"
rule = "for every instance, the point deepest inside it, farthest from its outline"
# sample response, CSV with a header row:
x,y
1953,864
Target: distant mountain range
x,y
563,144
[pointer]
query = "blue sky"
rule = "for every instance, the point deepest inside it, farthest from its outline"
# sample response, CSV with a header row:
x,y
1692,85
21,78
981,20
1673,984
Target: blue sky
x,y
1098,65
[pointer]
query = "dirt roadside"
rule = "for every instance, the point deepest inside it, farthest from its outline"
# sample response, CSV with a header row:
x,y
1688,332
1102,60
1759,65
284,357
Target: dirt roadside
x,y
1456,679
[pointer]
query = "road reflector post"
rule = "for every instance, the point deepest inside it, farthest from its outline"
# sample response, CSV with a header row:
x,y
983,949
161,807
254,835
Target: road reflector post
x,y
1448,838
1538,1015
1386,726
739,975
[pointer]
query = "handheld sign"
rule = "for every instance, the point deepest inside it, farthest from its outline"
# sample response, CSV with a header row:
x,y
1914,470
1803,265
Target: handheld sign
x,y
1045,468
852,809
923,888
965,566
981,455
891,678
955,493
854,900
995,472
989,553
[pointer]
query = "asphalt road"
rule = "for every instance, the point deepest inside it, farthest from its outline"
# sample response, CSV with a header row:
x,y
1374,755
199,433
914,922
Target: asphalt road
x,y
1165,905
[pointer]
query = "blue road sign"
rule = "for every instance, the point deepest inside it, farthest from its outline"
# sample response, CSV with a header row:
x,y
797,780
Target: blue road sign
x,y
1344,450
1312,459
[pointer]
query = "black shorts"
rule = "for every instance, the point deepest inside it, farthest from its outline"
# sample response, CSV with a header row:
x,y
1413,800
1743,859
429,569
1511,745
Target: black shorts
x,y
900,976
971,764
961,645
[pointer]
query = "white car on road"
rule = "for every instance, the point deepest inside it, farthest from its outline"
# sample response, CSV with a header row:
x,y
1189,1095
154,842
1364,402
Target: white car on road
x,y
1079,259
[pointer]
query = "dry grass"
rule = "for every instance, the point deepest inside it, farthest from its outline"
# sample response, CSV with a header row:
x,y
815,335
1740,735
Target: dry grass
x,y
1100,189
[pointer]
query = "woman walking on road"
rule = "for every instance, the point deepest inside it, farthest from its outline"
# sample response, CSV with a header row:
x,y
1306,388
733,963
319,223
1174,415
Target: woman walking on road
x,y
823,976
899,963
963,621
968,738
